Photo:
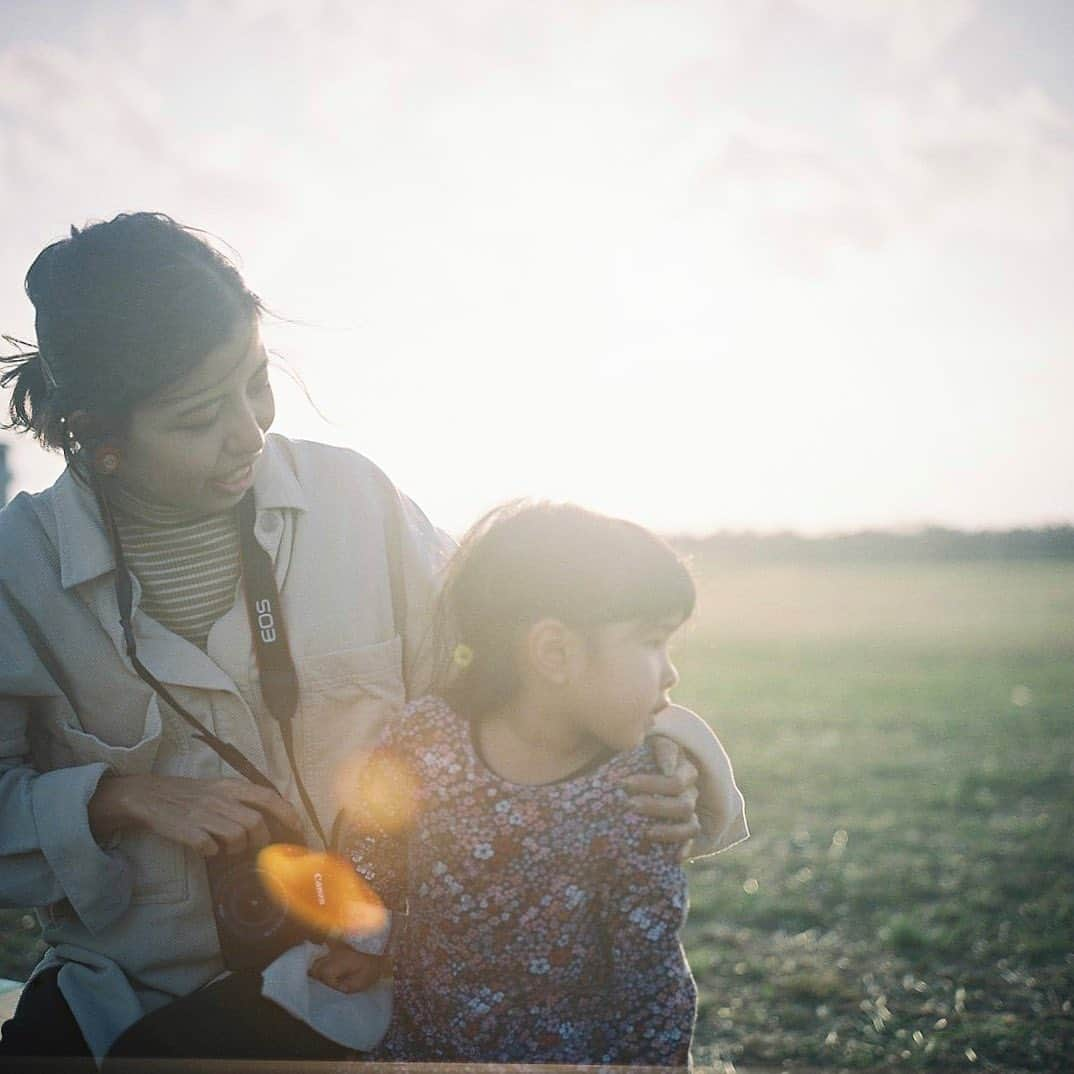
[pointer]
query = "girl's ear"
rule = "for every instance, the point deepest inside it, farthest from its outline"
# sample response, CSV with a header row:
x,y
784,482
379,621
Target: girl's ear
x,y
553,651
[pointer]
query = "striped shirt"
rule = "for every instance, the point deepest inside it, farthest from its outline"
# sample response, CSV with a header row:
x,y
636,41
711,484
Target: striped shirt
x,y
188,567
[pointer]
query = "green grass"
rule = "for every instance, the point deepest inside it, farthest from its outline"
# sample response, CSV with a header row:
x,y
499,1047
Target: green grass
x,y
904,735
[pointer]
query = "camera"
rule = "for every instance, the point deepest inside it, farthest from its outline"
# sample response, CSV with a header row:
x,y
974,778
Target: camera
x,y
253,927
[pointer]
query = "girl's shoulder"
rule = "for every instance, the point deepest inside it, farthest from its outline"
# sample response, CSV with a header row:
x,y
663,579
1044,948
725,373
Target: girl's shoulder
x,y
636,762
619,832
599,798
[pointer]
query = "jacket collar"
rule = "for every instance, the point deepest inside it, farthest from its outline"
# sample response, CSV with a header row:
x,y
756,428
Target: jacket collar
x,y
275,483
80,534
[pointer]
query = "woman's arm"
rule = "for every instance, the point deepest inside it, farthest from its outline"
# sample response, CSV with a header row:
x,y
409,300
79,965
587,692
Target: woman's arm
x,y
47,850
720,805
58,827
211,816
668,799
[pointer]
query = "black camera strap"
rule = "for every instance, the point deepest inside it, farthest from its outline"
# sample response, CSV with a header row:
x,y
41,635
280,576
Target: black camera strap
x,y
279,683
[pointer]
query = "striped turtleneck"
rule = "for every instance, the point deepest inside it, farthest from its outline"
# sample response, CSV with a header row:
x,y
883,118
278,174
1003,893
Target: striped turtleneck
x,y
188,566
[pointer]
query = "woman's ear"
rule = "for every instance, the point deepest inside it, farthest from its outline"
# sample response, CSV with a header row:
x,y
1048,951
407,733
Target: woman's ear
x,y
553,651
95,439
86,428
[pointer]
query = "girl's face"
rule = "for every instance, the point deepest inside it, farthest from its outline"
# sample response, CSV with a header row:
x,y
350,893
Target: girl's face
x,y
624,682
196,443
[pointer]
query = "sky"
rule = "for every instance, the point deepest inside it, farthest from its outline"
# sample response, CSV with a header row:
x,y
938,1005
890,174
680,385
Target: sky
x,y
708,265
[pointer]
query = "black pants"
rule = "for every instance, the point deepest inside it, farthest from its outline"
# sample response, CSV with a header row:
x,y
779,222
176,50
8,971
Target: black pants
x,y
228,1019
44,1027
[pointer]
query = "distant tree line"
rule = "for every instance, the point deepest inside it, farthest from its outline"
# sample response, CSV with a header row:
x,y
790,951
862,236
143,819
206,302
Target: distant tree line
x,y
930,543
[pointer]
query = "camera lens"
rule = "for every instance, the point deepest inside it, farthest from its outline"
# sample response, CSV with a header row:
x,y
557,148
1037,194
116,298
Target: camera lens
x,y
246,907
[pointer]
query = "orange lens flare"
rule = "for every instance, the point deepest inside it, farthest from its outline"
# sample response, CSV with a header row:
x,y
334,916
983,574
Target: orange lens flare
x,y
380,792
321,890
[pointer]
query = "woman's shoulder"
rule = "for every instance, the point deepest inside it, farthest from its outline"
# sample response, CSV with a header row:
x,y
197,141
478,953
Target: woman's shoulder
x,y
16,521
31,523
324,466
30,511
340,488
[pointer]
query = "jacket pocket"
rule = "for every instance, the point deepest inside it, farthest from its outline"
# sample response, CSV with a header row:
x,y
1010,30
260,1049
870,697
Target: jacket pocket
x,y
348,674
158,864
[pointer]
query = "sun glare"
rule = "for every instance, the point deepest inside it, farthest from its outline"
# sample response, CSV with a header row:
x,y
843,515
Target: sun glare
x,y
320,889
379,792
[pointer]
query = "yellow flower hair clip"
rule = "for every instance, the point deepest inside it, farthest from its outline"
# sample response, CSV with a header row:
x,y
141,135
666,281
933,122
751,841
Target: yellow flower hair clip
x,y
463,656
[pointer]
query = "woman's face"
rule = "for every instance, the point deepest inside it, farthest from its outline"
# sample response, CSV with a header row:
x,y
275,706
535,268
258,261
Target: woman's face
x,y
195,444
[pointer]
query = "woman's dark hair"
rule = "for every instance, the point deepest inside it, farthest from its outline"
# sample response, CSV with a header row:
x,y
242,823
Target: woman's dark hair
x,y
123,308
527,561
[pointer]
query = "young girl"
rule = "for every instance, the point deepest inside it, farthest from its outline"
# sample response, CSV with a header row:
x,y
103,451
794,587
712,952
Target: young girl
x,y
541,925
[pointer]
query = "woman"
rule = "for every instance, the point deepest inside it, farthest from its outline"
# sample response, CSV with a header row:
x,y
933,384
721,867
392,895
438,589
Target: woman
x,y
132,658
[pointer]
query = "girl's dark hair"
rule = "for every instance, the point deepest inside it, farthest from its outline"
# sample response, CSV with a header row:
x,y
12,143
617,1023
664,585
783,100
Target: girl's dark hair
x,y
527,561
123,308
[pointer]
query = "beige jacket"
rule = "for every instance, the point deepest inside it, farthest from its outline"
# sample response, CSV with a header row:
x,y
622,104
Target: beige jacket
x,y
131,924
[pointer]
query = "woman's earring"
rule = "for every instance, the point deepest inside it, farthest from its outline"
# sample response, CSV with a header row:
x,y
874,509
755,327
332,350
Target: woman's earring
x,y
106,460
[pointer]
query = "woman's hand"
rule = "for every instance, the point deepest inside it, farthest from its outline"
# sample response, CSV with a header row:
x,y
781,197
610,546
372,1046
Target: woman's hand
x,y
670,798
347,970
209,815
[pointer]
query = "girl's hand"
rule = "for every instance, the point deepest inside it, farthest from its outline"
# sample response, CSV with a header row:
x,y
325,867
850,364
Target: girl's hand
x,y
347,970
211,816
670,798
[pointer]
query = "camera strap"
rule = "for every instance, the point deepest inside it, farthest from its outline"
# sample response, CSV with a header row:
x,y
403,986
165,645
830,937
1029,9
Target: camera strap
x,y
279,682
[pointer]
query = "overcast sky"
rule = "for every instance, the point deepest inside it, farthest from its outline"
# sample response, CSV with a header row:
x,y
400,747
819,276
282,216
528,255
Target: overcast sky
x,y
709,264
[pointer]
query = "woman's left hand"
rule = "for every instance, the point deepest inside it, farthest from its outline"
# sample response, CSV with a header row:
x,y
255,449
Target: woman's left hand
x,y
669,799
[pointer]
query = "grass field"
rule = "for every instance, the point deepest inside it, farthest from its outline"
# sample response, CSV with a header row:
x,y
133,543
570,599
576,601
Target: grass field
x,y
904,735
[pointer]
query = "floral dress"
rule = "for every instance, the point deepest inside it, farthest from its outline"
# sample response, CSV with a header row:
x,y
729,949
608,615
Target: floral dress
x,y
540,926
